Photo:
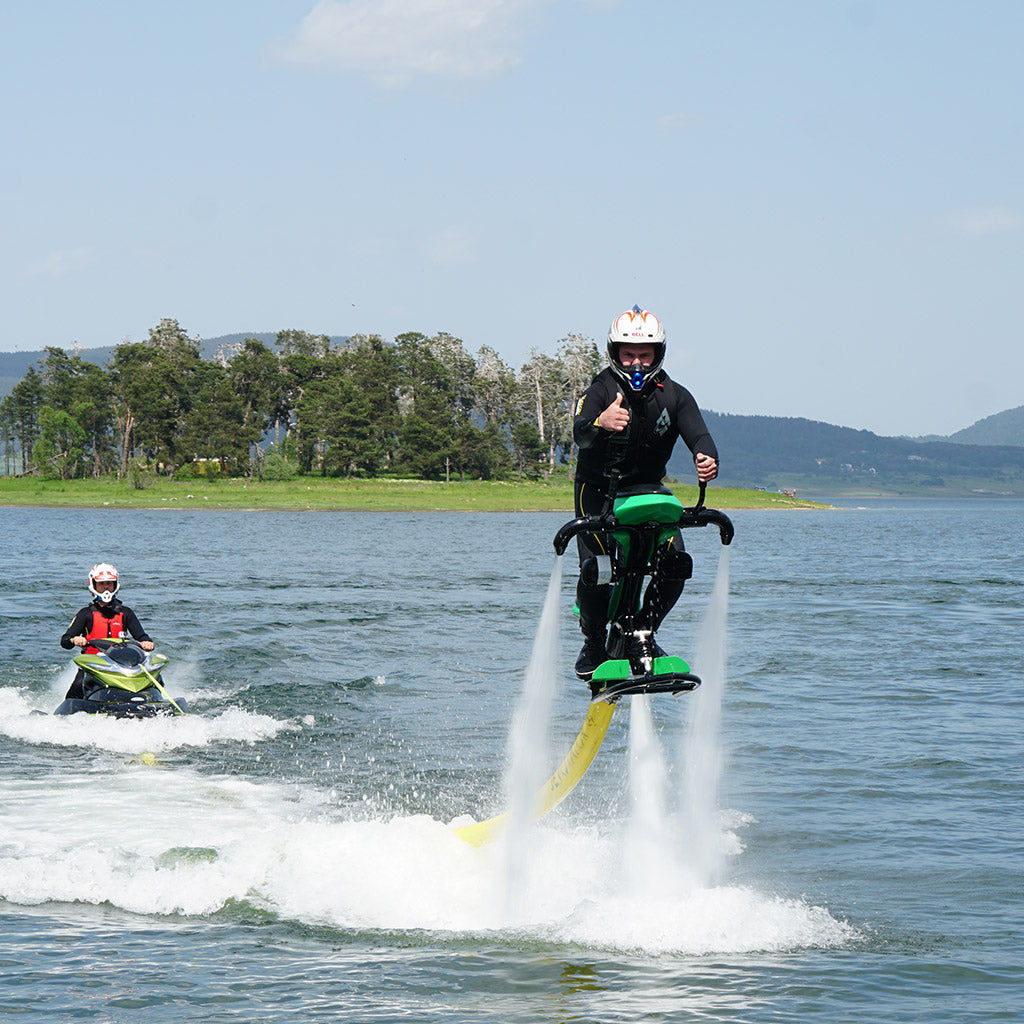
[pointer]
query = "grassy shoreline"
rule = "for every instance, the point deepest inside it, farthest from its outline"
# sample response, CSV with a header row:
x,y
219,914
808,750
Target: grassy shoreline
x,y
308,494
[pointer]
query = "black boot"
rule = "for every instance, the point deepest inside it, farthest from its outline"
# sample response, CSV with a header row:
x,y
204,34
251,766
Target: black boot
x,y
592,655
593,605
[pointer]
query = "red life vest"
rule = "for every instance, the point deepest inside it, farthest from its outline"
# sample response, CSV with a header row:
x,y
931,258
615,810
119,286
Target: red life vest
x,y
104,628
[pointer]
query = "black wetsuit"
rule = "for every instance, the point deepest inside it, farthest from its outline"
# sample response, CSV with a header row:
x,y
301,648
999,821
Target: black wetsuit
x,y
81,625
660,414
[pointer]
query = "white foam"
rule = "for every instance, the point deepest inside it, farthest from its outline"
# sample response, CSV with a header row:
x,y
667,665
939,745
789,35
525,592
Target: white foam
x,y
179,843
20,720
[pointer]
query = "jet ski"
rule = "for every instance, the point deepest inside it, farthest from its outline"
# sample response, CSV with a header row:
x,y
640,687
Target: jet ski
x,y
122,681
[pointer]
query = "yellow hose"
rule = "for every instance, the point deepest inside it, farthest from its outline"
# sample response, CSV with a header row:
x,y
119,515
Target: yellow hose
x,y
562,782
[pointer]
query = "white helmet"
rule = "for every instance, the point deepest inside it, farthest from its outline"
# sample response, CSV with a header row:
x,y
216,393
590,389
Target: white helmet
x,y
103,573
636,327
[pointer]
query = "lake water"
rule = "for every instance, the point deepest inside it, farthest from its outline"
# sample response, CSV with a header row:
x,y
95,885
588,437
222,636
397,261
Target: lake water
x,y
829,830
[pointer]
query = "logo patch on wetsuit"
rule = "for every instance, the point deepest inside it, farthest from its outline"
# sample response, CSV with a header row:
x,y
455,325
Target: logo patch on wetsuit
x,y
579,406
662,423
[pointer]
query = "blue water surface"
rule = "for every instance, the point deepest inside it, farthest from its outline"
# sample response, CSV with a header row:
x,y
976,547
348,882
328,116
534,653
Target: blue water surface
x,y
286,854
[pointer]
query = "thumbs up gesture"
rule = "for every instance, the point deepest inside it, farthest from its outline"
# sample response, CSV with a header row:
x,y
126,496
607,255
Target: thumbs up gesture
x,y
614,418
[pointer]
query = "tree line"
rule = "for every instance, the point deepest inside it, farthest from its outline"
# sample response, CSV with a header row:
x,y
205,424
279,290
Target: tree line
x,y
416,406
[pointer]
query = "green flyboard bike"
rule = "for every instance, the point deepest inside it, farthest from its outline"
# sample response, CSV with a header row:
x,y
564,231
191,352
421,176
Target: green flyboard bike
x,y
638,523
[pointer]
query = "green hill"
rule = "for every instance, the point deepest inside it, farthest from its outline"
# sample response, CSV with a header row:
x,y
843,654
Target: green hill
x,y
1002,428
785,453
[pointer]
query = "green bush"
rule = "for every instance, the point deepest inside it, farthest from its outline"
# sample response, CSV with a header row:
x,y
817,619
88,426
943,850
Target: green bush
x,y
277,467
140,475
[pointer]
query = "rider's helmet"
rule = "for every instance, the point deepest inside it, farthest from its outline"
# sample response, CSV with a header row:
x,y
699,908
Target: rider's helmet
x,y
103,573
636,327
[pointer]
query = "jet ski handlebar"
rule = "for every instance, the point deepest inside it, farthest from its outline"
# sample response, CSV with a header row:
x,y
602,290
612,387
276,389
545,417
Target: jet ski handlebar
x,y
606,523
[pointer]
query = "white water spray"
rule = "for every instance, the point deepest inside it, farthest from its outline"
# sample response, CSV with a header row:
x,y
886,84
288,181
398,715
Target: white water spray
x,y
703,836
648,841
646,773
528,752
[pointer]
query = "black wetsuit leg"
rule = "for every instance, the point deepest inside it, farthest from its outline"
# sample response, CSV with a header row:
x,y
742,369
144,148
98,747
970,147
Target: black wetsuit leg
x,y
589,500
75,690
671,568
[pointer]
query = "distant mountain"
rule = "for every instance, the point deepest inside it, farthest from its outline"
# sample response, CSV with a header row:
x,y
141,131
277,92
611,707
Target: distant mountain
x,y
14,365
1002,428
779,453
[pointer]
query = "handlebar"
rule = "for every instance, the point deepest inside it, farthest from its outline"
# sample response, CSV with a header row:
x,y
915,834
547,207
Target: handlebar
x,y
606,523
104,643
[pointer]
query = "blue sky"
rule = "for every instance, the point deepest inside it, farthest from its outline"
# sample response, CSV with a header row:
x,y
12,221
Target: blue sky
x,y
823,201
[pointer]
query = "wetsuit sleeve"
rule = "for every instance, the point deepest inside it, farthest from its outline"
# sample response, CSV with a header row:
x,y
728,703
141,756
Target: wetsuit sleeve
x,y
692,428
132,624
79,627
585,431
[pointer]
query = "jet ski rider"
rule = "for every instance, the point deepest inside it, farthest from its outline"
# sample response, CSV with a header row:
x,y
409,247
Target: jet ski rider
x,y
105,617
629,419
